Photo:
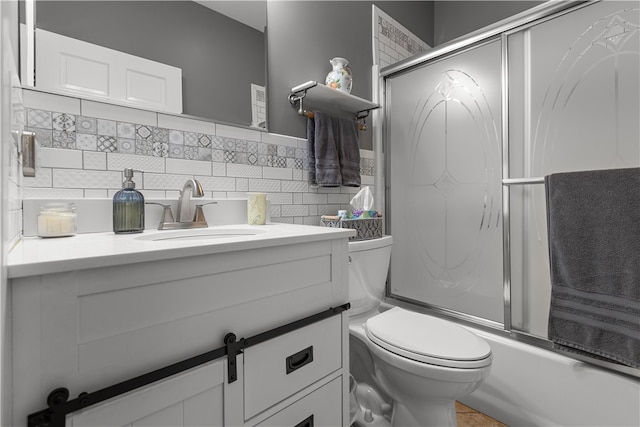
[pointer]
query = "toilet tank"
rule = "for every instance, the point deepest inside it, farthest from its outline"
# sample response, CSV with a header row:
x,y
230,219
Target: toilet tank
x,y
368,268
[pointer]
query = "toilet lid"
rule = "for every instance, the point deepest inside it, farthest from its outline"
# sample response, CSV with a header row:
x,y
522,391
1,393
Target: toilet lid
x,y
428,339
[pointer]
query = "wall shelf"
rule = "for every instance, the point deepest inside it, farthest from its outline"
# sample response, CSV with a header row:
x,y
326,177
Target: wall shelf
x,y
324,98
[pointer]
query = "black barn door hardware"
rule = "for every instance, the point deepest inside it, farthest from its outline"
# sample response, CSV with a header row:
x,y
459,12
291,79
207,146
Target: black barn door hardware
x,y
59,405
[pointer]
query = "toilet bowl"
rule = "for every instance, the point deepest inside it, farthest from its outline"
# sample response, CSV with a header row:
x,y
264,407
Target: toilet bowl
x,y
418,364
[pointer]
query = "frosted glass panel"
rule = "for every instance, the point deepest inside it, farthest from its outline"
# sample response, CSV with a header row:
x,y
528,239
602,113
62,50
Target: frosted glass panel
x,y
445,189
574,105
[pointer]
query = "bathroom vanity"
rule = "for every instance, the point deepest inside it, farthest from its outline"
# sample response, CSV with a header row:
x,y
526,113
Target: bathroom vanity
x,y
98,309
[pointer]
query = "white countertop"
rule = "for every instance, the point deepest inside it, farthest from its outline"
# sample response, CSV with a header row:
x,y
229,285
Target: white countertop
x,y
36,256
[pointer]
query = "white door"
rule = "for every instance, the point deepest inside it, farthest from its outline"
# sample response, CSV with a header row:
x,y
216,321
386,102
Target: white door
x,y
64,64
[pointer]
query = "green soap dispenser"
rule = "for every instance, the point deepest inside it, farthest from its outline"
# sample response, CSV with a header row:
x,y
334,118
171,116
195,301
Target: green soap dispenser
x,y
128,207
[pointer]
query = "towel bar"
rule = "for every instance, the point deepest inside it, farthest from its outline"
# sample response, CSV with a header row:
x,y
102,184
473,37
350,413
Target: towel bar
x,y
361,126
522,181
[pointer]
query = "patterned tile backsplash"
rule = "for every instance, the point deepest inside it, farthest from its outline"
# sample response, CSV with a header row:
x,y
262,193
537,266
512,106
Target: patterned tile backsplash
x,y
83,155
61,130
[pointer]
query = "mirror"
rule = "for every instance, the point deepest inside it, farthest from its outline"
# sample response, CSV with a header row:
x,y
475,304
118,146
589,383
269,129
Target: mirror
x,y
218,45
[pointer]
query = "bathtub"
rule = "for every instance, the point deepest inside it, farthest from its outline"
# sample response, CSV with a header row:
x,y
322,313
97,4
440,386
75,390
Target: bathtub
x,y
530,386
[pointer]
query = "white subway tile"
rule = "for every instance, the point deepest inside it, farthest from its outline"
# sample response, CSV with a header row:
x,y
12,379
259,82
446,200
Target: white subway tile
x,y
188,167
186,124
280,198
218,169
266,185
43,178
311,220
156,181
295,186
328,209
314,199
297,198
350,190
94,160
118,161
60,158
295,210
338,198
118,113
244,171
242,184
71,178
277,173
46,101
326,190
217,183
275,210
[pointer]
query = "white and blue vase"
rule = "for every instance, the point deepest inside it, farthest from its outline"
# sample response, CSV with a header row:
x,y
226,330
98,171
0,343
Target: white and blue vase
x,y
340,77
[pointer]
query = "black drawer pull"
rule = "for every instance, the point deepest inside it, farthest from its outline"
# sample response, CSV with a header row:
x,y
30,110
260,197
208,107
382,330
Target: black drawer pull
x,y
307,422
299,359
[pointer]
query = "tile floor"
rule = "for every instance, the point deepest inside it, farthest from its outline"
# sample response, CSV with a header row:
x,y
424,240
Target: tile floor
x,y
469,417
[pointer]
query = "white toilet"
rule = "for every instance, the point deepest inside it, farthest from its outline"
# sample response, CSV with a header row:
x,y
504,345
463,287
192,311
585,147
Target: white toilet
x,y
410,367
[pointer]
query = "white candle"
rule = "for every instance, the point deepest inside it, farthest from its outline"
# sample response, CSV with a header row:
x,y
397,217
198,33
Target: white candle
x,y
57,220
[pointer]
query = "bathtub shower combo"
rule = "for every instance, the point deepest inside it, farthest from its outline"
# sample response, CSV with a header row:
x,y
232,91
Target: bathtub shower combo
x,y
470,131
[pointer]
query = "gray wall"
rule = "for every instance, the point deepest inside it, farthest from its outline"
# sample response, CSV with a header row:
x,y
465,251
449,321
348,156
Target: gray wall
x,y
219,57
304,35
457,18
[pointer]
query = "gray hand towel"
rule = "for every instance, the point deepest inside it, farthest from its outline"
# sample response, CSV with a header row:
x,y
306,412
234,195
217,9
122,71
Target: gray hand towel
x,y
593,221
334,154
311,150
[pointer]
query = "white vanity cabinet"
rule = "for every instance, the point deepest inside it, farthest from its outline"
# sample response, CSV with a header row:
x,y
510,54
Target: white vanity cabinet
x,y
87,329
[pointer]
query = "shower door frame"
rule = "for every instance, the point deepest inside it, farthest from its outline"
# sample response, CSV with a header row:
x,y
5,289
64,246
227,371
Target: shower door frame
x,y
501,30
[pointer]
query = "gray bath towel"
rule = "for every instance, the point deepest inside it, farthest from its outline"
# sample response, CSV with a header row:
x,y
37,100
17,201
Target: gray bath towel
x,y
593,221
334,153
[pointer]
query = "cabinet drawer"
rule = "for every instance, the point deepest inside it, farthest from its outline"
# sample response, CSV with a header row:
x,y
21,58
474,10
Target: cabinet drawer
x,y
278,368
322,407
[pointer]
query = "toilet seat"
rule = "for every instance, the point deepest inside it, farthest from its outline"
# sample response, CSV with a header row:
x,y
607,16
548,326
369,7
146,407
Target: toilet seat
x,y
428,339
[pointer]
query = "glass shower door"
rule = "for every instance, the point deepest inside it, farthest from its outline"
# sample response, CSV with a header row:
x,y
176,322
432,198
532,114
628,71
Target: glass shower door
x,y
574,96
444,187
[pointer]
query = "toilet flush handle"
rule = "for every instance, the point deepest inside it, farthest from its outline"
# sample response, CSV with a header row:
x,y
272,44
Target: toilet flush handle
x,y
349,259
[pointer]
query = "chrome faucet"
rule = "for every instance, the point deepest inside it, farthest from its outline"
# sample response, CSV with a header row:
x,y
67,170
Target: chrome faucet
x,y
192,186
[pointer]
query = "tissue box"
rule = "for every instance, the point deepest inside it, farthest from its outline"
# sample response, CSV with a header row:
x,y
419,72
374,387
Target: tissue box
x,y
367,228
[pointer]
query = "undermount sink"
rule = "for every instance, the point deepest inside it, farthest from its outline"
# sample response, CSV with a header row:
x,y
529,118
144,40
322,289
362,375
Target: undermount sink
x,y
202,234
